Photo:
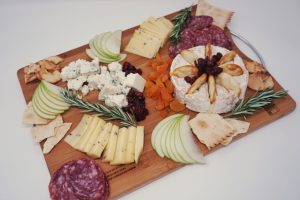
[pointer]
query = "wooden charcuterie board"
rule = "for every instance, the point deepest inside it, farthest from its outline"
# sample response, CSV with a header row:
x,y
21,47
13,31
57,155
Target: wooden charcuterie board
x,y
126,178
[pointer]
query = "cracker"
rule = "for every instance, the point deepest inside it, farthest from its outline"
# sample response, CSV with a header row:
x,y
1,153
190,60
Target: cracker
x,y
29,116
220,16
211,129
41,132
60,132
239,128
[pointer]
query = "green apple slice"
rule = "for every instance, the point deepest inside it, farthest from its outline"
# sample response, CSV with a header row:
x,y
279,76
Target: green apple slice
x,y
172,152
113,43
102,45
179,146
157,133
187,139
100,54
54,91
50,101
164,137
177,156
46,105
37,110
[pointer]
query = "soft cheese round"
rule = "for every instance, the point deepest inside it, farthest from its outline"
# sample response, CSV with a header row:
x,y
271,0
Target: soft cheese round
x,y
199,100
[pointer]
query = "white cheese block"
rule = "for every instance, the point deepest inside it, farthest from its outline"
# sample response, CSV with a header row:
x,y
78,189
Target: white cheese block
x,y
135,81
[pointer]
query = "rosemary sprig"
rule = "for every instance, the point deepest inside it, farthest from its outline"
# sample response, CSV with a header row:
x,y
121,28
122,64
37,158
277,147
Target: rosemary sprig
x,y
256,102
111,113
180,21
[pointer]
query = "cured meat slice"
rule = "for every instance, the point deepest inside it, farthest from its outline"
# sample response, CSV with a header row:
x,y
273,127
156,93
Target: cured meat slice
x,y
200,31
79,179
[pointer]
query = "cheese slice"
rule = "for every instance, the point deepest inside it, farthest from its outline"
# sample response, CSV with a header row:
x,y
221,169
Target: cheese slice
x,y
100,142
130,149
109,151
167,23
148,35
139,143
86,135
75,135
94,135
120,154
142,47
159,25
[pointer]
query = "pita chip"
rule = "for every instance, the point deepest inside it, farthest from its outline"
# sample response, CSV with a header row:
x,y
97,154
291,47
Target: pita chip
x,y
60,132
221,16
41,132
211,129
239,128
29,116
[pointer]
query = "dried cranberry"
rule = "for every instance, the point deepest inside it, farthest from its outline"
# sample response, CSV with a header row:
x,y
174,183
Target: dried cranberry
x,y
136,104
129,68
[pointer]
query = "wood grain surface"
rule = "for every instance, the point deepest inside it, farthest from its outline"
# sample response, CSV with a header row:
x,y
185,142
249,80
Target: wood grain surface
x,y
126,178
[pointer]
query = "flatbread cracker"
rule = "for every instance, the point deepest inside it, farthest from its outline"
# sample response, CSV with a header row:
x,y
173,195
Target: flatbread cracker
x,y
211,129
29,116
239,128
60,132
41,132
221,16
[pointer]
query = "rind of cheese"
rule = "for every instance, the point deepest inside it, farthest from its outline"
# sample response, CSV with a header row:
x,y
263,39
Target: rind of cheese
x,y
220,16
199,100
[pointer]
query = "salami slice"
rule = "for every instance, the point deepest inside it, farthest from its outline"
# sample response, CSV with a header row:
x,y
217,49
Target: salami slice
x,y
79,180
200,31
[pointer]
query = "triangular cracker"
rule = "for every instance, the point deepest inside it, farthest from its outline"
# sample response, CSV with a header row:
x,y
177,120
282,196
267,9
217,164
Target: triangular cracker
x,y
29,116
210,128
221,16
41,132
60,132
239,128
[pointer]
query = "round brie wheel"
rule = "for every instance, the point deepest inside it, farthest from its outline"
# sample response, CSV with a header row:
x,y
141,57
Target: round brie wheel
x,y
199,100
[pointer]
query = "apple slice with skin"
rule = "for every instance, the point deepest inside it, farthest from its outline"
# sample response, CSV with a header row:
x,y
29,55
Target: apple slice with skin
x,y
156,134
187,139
176,154
179,146
164,133
54,91
40,113
113,43
63,105
46,99
172,128
103,46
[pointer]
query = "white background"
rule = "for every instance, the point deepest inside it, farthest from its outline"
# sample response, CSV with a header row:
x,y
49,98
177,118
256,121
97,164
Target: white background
x,y
263,165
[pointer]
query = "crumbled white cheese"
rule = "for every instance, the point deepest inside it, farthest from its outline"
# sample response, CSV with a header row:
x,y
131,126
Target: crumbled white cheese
x,y
84,90
119,100
85,76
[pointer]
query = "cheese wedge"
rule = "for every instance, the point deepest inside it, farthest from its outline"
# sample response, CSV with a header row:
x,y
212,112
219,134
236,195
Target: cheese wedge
x,y
109,151
86,135
94,135
100,142
75,135
130,149
120,154
139,143
143,47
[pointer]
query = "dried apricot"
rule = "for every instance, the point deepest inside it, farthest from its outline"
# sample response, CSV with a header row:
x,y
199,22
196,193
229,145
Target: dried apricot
x,y
162,68
164,113
154,91
160,104
152,76
165,95
169,86
176,106
149,84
